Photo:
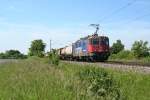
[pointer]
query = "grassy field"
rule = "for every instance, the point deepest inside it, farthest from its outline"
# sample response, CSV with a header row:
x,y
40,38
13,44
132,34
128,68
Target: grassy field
x,y
35,79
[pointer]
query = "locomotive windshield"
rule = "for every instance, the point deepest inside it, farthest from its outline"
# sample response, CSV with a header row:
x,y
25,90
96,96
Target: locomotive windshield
x,y
99,41
104,41
95,41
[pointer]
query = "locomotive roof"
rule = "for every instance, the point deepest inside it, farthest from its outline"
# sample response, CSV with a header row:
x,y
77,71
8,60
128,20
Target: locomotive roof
x,y
91,36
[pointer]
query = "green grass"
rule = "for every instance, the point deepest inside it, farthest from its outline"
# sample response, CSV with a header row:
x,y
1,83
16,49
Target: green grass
x,y
37,80
127,56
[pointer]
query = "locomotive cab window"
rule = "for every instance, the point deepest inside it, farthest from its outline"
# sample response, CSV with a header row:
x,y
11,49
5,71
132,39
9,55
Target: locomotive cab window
x,y
104,41
95,42
107,41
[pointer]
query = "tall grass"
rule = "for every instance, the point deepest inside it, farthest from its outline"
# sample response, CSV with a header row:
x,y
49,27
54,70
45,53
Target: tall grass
x,y
53,57
34,79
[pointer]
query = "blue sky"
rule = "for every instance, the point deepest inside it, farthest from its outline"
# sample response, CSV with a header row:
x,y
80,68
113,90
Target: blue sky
x,y
65,21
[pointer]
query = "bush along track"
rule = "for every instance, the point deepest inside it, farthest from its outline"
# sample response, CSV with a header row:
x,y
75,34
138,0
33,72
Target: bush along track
x,y
101,85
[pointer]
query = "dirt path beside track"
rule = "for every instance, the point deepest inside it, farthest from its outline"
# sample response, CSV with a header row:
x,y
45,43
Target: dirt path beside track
x,y
7,60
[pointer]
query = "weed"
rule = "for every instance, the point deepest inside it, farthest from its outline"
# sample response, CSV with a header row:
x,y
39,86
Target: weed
x,y
54,58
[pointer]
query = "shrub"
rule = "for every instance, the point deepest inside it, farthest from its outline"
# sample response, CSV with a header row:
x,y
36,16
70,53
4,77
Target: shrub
x,y
101,84
12,54
117,47
140,49
146,59
125,54
2,56
54,58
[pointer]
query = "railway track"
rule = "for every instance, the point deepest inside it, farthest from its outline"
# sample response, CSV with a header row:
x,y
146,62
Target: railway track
x,y
129,63
125,66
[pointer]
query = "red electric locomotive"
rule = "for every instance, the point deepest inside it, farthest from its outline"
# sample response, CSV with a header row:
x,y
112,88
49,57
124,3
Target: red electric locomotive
x,y
91,48
98,47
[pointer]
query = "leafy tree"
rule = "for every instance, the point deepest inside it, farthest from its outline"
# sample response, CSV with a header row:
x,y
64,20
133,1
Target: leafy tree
x,y
2,56
15,54
12,53
37,48
117,47
140,49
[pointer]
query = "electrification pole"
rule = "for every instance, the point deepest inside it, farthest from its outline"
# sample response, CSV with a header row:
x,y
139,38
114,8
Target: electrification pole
x,y
50,46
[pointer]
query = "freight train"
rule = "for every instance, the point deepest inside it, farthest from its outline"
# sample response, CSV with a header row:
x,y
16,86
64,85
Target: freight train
x,y
90,48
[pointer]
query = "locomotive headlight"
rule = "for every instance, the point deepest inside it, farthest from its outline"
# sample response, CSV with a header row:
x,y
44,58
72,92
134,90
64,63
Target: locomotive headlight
x,y
92,54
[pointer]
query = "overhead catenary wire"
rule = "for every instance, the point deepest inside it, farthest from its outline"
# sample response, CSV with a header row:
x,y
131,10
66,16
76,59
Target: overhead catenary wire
x,y
137,18
117,11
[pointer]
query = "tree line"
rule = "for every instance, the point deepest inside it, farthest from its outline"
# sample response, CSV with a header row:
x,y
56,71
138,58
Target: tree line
x,y
12,54
138,50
